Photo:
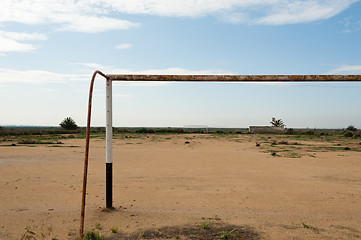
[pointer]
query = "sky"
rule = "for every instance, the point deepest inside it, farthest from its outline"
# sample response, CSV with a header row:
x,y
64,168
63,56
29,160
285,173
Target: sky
x,y
50,49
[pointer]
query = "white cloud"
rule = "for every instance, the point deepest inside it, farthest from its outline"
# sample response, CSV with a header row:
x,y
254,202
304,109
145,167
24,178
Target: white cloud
x,y
92,24
350,25
103,15
41,76
24,36
10,45
124,46
275,12
64,15
179,71
346,69
37,76
13,41
166,71
304,11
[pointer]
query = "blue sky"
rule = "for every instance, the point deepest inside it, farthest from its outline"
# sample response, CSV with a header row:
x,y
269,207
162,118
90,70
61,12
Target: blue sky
x,y
49,50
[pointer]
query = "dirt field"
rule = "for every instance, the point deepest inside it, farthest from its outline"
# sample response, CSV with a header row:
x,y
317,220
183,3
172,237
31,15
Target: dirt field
x,y
167,186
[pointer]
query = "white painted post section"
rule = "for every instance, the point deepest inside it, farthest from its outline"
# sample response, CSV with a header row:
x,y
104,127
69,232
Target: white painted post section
x,y
109,122
109,145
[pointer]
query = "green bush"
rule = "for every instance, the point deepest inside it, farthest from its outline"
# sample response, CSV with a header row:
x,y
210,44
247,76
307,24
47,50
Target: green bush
x,y
144,130
68,124
348,134
290,131
93,235
357,134
351,128
309,132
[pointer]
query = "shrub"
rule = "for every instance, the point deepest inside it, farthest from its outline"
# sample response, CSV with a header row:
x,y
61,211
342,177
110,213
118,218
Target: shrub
x,y
205,225
93,235
357,134
68,124
27,141
122,130
351,128
226,234
348,134
144,130
114,229
290,131
309,132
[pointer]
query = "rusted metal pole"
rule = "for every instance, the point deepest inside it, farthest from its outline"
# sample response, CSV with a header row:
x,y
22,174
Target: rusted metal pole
x,y
235,78
85,175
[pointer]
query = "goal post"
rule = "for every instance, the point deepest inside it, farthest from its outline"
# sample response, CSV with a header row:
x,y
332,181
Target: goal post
x,y
172,78
195,78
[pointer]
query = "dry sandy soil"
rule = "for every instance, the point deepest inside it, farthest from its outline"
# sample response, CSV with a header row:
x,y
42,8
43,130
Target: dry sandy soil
x,y
165,188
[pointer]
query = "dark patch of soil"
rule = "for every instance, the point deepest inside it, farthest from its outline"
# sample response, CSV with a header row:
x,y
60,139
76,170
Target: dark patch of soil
x,y
215,231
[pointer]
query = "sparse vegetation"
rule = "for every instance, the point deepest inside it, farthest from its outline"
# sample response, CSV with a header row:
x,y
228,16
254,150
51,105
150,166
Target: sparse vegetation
x,y
98,226
290,131
308,226
28,235
304,225
205,225
93,235
226,234
114,229
217,231
348,134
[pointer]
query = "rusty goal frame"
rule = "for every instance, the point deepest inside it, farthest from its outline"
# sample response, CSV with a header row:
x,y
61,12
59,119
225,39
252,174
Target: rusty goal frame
x,y
173,78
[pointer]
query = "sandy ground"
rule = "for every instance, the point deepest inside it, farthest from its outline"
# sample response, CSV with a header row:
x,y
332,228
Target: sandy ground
x,y
162,181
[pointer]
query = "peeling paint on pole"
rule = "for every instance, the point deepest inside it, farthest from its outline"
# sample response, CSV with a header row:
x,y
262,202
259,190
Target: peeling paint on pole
x,y
236,78
109,145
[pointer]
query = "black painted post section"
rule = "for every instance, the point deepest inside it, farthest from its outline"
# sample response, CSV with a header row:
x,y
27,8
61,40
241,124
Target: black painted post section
x,y
109,185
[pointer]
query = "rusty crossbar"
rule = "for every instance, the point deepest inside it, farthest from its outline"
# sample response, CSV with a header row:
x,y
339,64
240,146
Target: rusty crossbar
x,y
235,78
182,78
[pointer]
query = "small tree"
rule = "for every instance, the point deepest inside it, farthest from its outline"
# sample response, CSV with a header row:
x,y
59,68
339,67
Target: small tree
x,y
68,124
351,128
277,123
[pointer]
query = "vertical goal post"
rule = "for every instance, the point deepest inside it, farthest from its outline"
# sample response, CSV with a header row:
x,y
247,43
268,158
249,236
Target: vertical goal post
x,y
171,78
